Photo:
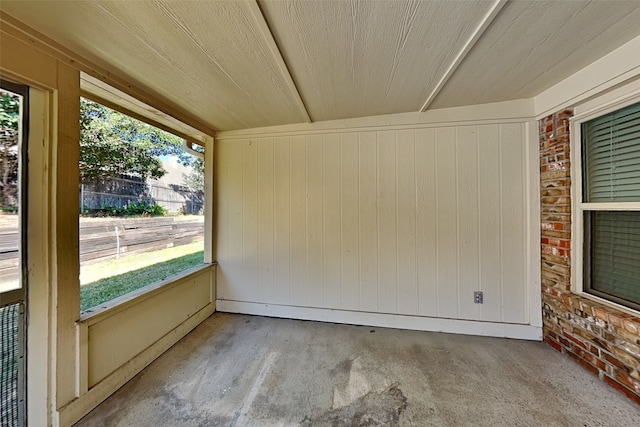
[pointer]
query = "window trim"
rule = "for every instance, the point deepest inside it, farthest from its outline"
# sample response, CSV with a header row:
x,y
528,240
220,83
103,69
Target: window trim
x,y
599,107
195,137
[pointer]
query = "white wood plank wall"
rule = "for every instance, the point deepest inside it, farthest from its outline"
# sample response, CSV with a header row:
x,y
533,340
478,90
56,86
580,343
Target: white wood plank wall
x,y
408,221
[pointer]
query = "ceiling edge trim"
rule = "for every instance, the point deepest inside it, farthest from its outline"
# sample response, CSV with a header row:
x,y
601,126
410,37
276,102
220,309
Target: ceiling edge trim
x,y
617,67
479,31
267,34
521,110
23,32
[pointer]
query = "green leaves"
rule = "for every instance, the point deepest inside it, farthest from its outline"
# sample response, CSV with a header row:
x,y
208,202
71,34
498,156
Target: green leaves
x,y
114,144
194,180
9,150
9,111
142,208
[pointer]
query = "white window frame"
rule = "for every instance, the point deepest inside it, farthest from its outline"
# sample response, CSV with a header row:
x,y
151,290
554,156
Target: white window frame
x,y
604,104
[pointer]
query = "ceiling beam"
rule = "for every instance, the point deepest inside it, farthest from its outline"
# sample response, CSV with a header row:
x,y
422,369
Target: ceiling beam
x,y
263,27
475,36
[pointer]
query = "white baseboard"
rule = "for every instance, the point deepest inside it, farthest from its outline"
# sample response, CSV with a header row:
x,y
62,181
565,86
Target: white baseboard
x,y
418,323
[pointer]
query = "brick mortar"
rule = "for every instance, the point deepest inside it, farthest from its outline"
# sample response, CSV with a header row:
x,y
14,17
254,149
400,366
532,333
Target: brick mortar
x,y
604,340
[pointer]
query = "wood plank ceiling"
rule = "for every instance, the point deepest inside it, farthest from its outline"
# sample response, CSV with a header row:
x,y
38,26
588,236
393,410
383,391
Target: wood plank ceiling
x,y
245,64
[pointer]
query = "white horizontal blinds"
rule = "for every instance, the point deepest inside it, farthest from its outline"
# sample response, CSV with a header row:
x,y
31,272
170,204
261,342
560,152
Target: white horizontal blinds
x,y
611,157
615,254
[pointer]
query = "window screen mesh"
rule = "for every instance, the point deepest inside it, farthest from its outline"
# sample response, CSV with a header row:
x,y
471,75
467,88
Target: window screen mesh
x,y
10,358
611,157
615,254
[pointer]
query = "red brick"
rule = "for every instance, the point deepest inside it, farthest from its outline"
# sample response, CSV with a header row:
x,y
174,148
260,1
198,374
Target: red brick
x,y
584,335
553,343
589,357
575,303
613,361
621,388
626,380
565,114
551,291
616,317
588,366
601,313
632,326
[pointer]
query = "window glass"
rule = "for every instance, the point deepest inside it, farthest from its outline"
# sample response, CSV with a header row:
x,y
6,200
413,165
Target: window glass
x,y
611,157
615,254
611,175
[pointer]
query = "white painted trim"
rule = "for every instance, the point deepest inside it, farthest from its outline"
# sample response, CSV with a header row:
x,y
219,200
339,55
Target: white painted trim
x,y
618,66
264,29
398,321
76,409
614,206
485,22
209,237
577,242
608,101
534,267
500,113
39,367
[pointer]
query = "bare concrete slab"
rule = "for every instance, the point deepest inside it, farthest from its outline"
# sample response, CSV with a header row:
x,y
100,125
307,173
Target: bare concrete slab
x,y
236,370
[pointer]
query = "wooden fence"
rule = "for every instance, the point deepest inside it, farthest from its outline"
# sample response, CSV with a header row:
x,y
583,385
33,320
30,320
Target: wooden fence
x,y
120,191
109,238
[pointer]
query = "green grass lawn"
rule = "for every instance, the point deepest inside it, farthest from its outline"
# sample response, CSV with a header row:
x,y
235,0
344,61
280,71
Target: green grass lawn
x,y
105,281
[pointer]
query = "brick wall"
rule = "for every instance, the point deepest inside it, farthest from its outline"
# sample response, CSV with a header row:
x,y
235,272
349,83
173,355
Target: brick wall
x,y
605,341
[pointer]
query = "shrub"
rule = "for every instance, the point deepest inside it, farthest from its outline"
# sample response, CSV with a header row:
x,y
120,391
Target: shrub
x,y
132,209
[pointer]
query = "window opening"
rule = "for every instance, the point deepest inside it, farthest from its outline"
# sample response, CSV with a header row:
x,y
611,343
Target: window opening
x,y
142,205
13,183
611,213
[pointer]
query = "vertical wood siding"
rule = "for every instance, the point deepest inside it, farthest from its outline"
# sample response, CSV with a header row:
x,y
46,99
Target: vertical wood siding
x,y
405,221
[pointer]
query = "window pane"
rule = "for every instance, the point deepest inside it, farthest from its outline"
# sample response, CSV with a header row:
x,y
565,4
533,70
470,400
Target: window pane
x,y
611,156
614,242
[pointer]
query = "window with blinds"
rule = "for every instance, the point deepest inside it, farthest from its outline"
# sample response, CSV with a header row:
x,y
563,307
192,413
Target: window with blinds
x,y
611,175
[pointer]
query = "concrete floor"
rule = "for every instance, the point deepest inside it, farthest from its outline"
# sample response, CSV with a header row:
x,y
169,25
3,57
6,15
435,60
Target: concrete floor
x,y
236,370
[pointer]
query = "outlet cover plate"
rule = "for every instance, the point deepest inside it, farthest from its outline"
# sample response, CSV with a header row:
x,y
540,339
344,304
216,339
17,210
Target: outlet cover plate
x,y
478,297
